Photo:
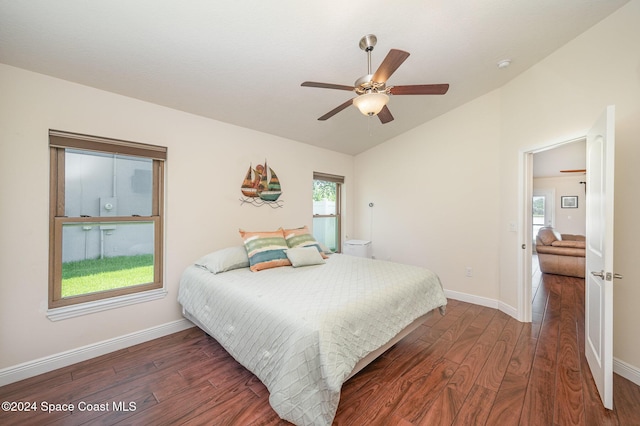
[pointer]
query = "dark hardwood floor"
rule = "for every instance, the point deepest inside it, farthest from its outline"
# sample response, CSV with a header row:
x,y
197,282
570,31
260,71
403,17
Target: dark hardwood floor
x,y
473,366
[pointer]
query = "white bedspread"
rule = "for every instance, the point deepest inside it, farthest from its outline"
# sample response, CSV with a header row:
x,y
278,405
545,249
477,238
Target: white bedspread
x,y
302,330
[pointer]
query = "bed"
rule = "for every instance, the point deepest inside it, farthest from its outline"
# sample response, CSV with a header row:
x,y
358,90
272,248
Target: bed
x,y
303,331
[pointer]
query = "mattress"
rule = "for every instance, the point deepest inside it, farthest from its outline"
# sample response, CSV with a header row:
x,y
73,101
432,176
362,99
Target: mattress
x,y
302,330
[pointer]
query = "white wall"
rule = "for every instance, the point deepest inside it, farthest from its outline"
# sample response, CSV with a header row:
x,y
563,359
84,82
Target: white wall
x,y
207,161
435,194
559,99
447,193
567,221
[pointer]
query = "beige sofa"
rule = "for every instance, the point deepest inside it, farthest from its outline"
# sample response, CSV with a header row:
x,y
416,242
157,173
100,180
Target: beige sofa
x,y
560,254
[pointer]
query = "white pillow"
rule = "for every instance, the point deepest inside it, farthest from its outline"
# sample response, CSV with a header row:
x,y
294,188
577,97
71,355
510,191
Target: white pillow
x,y
325,249
304,256
225,260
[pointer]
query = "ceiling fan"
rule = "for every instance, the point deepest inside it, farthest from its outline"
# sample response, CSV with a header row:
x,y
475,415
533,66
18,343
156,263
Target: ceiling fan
x,y
372,90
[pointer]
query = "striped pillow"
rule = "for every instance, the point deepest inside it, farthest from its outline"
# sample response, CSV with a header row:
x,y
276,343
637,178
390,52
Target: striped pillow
x,y
265,249
301,237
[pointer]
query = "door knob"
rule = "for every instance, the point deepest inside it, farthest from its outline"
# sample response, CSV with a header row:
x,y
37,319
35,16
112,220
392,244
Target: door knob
x,y
610,276
607,277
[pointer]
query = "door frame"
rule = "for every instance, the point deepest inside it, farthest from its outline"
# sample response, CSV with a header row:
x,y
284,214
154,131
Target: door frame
x,y
525,196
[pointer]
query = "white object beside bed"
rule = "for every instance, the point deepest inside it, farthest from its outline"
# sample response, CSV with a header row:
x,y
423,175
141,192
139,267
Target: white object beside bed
x,y
304,331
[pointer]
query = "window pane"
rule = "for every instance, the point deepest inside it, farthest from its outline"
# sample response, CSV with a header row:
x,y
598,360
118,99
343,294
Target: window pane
x,y
538,210
98,184
324,197
106,256
325,230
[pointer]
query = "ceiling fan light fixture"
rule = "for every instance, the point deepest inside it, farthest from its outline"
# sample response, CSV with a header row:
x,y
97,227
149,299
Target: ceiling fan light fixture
x,y
371,103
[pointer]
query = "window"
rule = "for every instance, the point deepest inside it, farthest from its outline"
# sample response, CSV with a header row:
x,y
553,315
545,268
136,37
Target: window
x,y
106,218
542,209
326,209
538,214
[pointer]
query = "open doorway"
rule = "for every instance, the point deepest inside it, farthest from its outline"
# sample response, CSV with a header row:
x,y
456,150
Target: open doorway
x,y
550,173
558,202
558,187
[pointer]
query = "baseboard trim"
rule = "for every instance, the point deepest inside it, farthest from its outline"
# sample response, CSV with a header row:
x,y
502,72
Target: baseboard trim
x,y
470,298
482,301
63,359
509,310
627,371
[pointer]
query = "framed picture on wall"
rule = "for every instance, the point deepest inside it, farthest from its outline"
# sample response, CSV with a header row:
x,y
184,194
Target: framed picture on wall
x,y
569,202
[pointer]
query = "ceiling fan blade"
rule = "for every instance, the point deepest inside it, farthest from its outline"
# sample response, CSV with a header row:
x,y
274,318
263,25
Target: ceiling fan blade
x,y
394,59
327,85
336,110
420,89
385,115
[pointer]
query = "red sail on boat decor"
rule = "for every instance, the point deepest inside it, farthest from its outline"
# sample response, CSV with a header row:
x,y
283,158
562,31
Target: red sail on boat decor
x,y
261,186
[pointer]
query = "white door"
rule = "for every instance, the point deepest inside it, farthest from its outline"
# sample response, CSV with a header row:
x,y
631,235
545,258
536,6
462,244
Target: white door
x,y
599,255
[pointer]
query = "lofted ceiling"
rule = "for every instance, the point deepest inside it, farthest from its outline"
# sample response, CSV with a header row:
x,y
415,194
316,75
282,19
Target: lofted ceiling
x,y
242,62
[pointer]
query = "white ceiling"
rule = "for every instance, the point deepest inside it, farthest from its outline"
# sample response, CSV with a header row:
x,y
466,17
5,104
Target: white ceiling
x,y
552,162
242,62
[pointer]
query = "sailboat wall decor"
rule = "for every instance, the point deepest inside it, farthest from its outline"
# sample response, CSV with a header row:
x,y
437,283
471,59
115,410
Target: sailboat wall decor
x,y
261,186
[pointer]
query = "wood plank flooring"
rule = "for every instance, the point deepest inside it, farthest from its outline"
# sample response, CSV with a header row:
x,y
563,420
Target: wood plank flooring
x,y
473,366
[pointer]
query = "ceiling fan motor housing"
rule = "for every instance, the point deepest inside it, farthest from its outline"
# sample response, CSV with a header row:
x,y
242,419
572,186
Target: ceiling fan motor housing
x,y
365,84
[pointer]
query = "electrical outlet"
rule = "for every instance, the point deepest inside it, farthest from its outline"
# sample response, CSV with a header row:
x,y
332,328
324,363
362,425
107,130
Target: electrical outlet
x,y
468,271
